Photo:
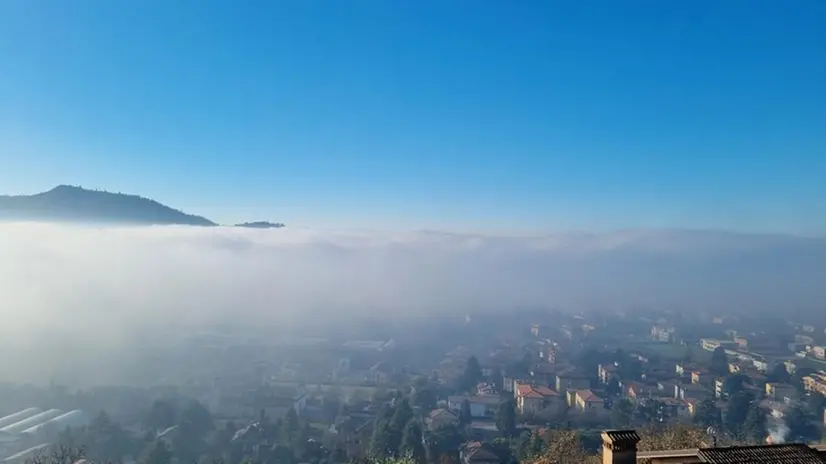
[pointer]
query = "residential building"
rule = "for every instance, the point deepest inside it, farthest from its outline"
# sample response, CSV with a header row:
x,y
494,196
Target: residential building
x,y
586,400
734,367
572,381
485,389
507,382
779,391
791,366
517,384
663,334
682,368
606,372
709,344
675,408
533,399
480,406
634,391
804,339
719,387
701,377
819,352
689,391
815,382
439,418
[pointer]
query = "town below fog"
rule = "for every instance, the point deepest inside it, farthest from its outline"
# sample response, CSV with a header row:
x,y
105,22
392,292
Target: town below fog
x,y
451,389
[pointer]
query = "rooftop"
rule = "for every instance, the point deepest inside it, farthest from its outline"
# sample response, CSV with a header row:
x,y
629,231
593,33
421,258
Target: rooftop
x,y
793,453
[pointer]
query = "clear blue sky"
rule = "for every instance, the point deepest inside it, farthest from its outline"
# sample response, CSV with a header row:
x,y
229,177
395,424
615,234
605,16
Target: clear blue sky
x,y
426,113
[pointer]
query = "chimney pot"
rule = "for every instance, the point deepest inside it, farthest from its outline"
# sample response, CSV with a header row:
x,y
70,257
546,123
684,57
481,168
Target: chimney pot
x,y
619,446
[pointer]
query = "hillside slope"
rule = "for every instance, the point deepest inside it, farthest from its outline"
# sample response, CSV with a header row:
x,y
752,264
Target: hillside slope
x,y
75,204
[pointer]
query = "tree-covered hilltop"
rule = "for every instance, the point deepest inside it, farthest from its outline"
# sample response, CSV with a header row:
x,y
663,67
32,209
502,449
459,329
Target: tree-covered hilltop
x,y
261,225
75,204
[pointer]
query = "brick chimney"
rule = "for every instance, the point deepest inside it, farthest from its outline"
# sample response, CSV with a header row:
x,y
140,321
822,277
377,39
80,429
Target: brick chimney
x,y
619,447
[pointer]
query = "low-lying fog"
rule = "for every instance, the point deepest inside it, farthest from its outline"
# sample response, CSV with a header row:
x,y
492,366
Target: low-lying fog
x,y
73,296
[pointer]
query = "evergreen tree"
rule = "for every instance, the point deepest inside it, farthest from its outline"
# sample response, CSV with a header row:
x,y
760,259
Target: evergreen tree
x,y
719,362
506,418
382,439
290,428
801,426
107,441
411,444
621,413
445,442
157,453
739,406
465,416
778,374
402,414
523,447
754,427
472,375
162,415
707,414
538,445
733,384
189,439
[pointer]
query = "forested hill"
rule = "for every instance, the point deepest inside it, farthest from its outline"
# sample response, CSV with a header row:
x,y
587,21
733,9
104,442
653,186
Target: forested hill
x,y
75,204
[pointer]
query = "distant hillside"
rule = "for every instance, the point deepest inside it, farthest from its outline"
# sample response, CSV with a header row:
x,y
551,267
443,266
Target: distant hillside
x,y
75,204
261,225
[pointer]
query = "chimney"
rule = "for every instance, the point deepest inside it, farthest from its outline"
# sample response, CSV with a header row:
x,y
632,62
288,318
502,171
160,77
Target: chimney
x,y
619,447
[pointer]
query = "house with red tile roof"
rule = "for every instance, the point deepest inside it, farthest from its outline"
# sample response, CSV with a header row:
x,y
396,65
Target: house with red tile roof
x,y
531,399
586,400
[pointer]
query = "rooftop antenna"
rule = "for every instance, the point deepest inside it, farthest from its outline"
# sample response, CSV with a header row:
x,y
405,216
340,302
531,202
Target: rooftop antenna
x,y
711,432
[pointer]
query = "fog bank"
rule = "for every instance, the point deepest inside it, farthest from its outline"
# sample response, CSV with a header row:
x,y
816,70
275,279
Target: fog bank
x,y
97,288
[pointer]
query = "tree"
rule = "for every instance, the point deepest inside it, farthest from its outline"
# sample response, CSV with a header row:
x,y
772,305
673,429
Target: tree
x,y
189,439
523,446
382,440
739,406
162,415
290,428
650,410
801,426
424,396
677,436
815,401
588,360
797,378
221,441
754,427
106,440
613,388
465,416
157,453
412,442
506,418
733,384
719,362
778,373
707,414
445,442
538,445
197,417
621,413
564,447
472,374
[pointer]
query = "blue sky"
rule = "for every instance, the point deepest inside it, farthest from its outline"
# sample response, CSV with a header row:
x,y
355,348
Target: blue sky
x,y
427,113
